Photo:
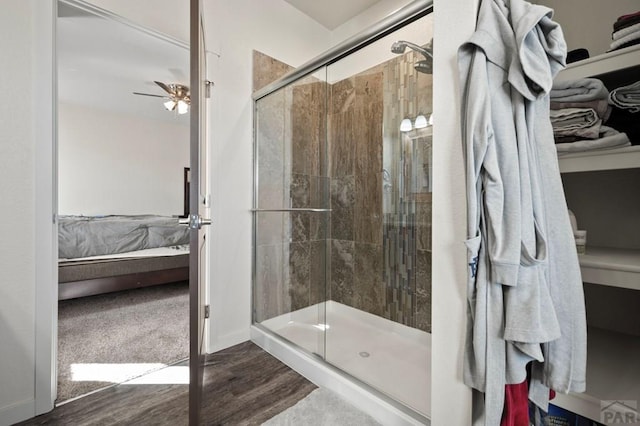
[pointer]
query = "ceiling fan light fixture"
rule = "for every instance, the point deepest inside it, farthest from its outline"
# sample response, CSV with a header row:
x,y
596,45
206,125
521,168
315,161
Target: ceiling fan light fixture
x,y
170,105
183,107
176,99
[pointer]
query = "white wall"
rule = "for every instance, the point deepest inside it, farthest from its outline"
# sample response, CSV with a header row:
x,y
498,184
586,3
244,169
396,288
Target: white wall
x,y
375,13
169,17
111,163
20,34
17,186
590,30
234,29
451,399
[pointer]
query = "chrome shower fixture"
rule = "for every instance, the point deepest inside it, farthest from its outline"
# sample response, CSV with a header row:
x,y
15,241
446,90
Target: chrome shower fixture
x,y
400,46
424,66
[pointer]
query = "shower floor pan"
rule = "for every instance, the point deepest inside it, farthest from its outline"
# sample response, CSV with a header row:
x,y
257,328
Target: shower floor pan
x,y
390,357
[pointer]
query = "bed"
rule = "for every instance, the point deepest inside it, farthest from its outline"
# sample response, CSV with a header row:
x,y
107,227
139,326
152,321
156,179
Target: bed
x,y
102,254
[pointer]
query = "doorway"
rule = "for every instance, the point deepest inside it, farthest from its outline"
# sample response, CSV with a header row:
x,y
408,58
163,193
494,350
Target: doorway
x,y
123,146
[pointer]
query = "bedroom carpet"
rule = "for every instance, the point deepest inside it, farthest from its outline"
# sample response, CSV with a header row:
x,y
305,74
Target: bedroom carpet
x,y
110,338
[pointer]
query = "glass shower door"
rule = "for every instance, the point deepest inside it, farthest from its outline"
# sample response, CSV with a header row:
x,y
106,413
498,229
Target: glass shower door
x,y
291,214
379,143
343,214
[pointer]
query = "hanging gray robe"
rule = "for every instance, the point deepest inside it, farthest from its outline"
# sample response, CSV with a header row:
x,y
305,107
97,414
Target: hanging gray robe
x,y
525,297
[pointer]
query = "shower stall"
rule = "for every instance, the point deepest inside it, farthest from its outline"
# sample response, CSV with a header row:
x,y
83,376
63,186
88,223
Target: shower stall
x,y
342,211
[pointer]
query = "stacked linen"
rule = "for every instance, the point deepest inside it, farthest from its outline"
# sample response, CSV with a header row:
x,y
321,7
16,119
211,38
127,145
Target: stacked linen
x,y
571,124
578,110
626,97
609,138
625,113
626,31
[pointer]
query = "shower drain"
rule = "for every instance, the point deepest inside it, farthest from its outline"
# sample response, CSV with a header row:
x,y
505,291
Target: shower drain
x,y
364,354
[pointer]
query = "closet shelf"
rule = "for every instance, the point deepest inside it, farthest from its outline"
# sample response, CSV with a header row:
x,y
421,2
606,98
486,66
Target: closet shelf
x,y
602,64
611,159
613,374
611,267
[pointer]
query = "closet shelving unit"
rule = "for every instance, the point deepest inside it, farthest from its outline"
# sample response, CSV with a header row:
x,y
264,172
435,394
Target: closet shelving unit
x,y
613,359
602,64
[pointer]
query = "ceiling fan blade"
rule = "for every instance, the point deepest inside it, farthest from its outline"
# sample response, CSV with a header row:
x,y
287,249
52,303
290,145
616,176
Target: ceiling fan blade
x,y
149,94
164,87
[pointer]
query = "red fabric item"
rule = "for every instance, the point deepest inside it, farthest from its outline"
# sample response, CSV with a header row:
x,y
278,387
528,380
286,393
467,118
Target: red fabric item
x,y
630,15
516,405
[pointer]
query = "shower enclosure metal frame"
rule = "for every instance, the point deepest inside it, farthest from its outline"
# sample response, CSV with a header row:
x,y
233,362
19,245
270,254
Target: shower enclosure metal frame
x,y
408,14
413,11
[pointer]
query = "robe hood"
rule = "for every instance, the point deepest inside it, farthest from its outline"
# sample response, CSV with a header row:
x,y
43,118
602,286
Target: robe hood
x,y
528,30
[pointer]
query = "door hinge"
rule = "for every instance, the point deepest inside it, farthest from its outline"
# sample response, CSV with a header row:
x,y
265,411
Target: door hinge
x,y
207,311
207,88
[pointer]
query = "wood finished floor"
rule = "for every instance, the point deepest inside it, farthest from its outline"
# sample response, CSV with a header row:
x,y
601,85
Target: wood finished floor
x,y
244,385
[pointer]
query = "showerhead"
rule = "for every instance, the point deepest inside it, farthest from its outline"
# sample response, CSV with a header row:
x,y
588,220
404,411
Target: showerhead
x,y
424,66
399,47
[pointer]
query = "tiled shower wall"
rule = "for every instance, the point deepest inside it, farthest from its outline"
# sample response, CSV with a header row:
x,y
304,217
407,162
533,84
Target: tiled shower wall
x,y
292,249
355,135
407,197
380,230
271,297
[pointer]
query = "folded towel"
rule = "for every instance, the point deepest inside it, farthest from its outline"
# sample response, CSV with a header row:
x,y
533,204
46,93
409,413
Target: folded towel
x,y
625,31
610,139
617,44
601,106
626,97
584,89
628,44
583,122
626,21
591,132
569,138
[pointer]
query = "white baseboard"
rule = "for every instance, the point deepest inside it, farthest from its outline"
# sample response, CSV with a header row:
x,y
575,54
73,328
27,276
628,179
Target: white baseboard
x,y
228,340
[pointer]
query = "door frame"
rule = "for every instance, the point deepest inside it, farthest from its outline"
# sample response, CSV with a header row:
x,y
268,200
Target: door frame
x,y
46,192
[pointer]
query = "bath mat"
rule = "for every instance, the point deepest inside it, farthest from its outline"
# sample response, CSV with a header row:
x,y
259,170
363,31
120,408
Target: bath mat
x,y
322,408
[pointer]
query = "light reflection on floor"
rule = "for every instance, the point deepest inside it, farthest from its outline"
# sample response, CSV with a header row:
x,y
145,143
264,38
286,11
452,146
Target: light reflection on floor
x,y
143,373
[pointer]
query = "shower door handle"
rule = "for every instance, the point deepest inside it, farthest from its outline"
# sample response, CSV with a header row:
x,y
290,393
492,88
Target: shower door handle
x,y
292,210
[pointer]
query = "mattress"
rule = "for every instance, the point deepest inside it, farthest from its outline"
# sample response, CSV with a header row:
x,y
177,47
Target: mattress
x,y
85,236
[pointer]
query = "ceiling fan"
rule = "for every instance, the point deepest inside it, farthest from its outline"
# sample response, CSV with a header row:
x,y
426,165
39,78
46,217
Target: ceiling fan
x,y
178,96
